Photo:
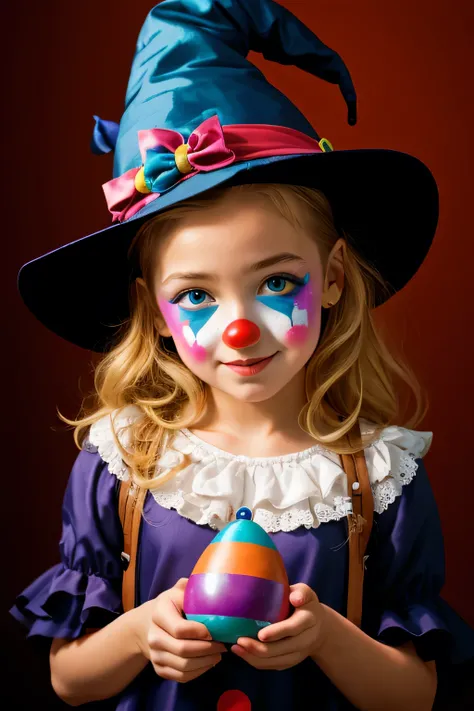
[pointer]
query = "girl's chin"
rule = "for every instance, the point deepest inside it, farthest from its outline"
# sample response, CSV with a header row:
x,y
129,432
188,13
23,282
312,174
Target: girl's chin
x,y
251,396
253,391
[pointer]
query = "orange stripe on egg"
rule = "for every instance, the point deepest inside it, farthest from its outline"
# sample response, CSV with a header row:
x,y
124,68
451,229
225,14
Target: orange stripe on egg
x,y
242,559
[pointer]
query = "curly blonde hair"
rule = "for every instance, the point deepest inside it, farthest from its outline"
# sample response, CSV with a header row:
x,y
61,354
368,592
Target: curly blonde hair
x,y
352,373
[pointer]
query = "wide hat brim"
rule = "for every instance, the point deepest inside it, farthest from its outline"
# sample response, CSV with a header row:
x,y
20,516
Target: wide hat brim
x,y
387,201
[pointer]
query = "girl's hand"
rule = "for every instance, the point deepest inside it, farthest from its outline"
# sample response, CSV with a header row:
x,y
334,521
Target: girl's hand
x,y
177,648
286,643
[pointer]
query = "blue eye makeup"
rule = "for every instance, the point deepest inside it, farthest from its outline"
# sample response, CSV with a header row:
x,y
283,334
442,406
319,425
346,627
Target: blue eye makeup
x,y
277,284
280,297
283,284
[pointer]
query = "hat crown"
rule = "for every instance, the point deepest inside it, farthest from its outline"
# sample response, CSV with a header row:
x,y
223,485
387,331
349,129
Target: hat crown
x,y
190,64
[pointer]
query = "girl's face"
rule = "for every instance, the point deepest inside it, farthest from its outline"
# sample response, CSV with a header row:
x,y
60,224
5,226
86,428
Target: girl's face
x,y
236,282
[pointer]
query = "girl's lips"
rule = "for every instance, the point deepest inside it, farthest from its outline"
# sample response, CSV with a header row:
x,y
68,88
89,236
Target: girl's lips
x,y
251,369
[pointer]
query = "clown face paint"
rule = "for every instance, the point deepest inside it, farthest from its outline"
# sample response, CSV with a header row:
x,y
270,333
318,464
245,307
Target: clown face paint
x,y
198,327
241,262
185,324
287,315
201,327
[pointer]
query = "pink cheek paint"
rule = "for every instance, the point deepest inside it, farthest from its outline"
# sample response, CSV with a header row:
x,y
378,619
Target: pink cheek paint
x,y
296,336
171,315
196,351
304,300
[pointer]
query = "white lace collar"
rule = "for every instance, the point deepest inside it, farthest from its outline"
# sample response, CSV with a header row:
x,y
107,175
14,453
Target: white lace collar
x,y
302,489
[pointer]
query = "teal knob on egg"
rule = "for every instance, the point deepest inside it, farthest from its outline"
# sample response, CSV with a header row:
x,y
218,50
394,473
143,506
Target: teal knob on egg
x,y
239,584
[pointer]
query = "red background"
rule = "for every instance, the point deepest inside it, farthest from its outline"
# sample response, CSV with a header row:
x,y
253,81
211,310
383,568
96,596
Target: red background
x,y
65,61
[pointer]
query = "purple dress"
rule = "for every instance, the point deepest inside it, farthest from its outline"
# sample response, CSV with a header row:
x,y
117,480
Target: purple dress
x,y
404,576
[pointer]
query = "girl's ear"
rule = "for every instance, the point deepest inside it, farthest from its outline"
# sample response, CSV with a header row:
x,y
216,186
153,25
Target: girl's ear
x,y
160,323
162,328
334,280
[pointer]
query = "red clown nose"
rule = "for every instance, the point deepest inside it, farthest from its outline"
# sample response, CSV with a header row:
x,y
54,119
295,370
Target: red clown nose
x,y
241,333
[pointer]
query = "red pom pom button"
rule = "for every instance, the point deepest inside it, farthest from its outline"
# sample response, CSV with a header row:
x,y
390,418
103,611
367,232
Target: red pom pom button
x,y
234,700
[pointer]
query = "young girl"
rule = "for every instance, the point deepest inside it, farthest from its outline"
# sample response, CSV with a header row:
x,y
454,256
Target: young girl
x,y
232,300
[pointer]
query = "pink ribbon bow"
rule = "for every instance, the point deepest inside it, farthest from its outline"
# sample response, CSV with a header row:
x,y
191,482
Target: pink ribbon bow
x,y
210,146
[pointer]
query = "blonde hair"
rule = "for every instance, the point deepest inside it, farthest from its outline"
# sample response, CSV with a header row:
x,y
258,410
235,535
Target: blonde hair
x,y
352,373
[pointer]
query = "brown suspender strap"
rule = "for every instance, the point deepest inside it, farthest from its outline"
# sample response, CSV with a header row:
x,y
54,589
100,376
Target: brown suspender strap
x,y
360,522
131,500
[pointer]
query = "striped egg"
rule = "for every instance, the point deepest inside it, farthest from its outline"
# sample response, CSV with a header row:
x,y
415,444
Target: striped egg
x,y
239,584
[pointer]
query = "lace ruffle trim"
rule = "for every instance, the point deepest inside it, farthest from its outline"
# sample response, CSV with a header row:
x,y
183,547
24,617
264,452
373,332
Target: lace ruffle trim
x,y
303,489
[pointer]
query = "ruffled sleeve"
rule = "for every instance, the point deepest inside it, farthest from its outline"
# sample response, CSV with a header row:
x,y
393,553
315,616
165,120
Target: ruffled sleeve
x,y
84,589
405,573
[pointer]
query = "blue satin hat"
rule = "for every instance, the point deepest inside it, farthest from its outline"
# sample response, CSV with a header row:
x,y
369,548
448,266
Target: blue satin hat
x,y
197,115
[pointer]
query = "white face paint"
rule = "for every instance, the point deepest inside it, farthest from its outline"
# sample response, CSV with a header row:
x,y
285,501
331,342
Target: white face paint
x,y
282,299
211,333
281,315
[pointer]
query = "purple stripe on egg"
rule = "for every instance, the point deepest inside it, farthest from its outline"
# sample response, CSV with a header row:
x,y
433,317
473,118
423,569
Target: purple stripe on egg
x,y
233,595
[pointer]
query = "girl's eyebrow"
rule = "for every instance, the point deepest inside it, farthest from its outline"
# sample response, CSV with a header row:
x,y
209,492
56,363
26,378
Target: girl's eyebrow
x,y
255,267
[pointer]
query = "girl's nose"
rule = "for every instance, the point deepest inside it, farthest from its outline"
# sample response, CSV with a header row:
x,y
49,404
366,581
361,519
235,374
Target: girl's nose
x,y
241,333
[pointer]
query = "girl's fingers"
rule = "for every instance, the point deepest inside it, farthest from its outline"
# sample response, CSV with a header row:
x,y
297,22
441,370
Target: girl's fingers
x,y
296,624
160,640
301,594
180,676
275,649
191,648
283,661
167,614
166,659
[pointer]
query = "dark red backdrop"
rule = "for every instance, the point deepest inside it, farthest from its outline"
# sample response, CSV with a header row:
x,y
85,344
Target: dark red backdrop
x,y
63,62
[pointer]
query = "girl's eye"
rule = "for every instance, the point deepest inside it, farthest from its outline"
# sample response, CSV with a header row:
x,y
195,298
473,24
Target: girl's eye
x,y
278,285
191,299
282,285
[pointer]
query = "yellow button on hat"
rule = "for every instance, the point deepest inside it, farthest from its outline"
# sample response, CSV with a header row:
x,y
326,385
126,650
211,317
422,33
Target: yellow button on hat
x,y
325,145
181,159
140,184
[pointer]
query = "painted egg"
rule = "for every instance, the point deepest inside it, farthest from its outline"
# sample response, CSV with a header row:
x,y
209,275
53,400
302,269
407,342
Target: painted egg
x,y
239,584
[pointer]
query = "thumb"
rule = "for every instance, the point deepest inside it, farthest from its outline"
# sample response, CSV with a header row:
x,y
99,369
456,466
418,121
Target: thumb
x,y
178,590
301,594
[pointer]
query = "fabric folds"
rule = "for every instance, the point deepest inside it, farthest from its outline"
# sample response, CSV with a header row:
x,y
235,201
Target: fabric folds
x,y
64,603
83,590
405,574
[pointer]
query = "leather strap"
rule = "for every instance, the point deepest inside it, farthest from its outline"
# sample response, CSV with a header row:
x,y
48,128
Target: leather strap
x,y
131,499
360,521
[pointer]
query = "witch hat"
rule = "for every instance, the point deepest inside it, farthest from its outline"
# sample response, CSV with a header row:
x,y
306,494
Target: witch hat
x,y
198,114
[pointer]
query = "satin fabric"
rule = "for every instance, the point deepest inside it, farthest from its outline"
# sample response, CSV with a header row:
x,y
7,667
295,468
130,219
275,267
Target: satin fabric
x,y
210,146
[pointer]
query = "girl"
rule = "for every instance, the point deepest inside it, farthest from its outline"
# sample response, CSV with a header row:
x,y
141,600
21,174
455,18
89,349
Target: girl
x,y
232,299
